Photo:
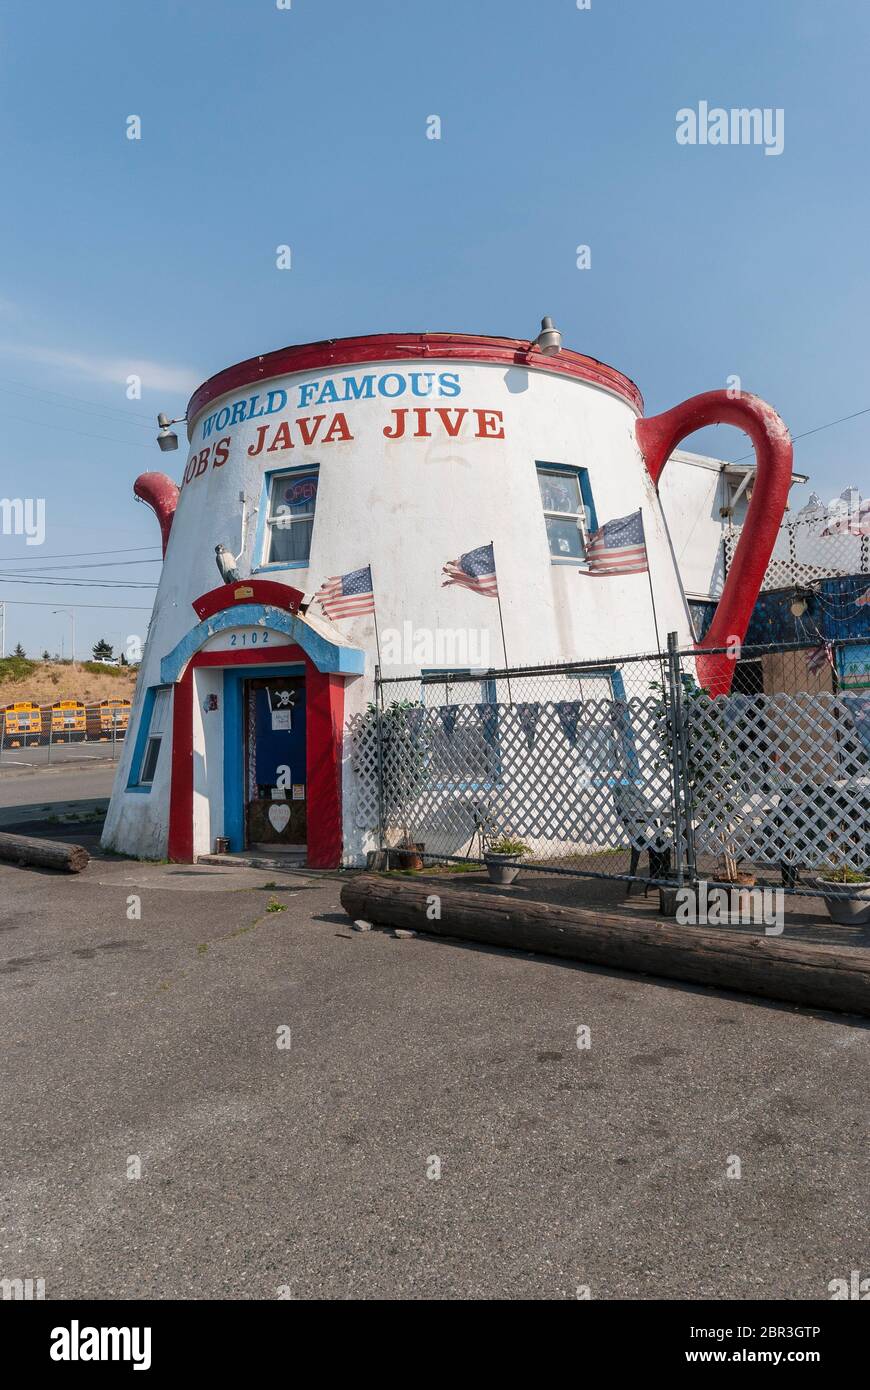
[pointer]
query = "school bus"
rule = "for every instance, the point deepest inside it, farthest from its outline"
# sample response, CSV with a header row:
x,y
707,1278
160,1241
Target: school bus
x,y
114,714
22,719
68,717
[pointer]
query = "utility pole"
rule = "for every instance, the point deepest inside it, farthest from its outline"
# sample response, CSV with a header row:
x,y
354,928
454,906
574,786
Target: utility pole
x,y
72,617
2,629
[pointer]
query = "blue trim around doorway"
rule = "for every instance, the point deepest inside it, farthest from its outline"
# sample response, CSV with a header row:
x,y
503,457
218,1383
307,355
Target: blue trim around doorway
x,y
326,655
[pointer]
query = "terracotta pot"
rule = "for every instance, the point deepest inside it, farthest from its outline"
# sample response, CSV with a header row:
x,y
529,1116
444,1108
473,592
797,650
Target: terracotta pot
x,y
744,910
410,856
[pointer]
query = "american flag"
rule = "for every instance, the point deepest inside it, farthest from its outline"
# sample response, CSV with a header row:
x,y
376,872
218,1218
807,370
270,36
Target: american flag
x,y
347,595
617,547
473,570
817,657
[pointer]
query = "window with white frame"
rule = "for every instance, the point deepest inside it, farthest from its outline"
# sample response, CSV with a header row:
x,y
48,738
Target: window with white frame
x,y
290,517
565,514
156,730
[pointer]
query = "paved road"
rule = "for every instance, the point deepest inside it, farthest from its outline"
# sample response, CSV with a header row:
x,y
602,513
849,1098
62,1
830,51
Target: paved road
x,y
38,795
306,1168
60,754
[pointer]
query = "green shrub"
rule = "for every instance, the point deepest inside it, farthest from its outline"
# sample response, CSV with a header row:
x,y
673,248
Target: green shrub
x,y
16,668
96,669
505,845
841,873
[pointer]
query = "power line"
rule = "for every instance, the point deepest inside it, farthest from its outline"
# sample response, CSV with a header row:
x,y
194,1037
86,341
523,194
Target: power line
x,y
80,554
86,434
12,578
113,607
130,419
98,565
67,395
818,429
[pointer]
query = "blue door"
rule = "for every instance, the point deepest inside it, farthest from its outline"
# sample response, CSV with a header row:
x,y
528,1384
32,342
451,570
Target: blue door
x,y
275,772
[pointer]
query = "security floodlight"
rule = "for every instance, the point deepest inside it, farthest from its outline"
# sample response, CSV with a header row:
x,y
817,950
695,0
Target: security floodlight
x,y
549,340
167,438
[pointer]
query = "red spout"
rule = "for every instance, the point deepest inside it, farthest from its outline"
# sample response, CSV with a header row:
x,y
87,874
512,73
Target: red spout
x,y
161,494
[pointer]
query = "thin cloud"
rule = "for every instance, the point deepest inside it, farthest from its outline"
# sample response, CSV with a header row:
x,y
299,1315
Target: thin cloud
x,y
155,376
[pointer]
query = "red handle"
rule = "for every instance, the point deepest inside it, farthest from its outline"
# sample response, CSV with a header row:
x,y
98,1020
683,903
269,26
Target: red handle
x,y
660,435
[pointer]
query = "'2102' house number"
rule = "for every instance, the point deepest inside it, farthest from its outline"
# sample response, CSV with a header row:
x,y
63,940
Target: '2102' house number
x,y
243,637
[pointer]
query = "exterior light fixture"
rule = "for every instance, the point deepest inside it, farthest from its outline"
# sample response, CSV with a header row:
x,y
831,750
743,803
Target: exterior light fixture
x,y
549,340
167,438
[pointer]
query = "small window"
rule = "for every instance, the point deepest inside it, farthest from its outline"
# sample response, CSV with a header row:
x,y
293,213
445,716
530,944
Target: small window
x,y
566,514
290,519
156,730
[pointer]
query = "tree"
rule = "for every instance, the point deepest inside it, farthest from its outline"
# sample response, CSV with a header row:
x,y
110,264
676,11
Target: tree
x,y
19,650
46,656
103,650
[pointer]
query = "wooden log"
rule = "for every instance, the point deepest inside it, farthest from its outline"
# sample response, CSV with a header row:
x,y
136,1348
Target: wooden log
x,y
825,977
43,854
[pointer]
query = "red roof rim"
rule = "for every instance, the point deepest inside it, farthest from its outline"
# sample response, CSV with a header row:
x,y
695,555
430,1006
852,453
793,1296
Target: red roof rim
x,y
398,347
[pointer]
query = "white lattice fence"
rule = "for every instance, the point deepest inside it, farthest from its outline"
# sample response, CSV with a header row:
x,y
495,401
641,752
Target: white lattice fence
x,y
803,553
569,777
781,778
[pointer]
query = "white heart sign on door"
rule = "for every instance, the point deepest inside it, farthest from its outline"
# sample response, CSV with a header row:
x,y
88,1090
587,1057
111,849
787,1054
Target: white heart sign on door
x,y
279,817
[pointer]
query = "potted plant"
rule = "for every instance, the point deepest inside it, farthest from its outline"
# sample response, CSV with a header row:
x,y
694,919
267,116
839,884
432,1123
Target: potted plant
x,y
502,859
409,853
852,911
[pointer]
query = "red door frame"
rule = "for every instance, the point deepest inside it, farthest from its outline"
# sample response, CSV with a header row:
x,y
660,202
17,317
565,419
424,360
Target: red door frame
x,y
323,744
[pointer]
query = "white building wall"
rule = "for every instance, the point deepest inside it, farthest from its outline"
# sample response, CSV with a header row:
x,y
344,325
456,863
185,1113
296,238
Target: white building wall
x,y
138,821
406,506
208,759
693,489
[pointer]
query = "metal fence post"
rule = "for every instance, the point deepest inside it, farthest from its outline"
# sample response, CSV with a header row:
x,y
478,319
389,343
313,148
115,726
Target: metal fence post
x,y
683,719
675,748
379,704
50,734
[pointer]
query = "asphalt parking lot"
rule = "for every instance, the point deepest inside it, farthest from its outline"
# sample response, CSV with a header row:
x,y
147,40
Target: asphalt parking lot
x,y
150,1044
59,795
59,754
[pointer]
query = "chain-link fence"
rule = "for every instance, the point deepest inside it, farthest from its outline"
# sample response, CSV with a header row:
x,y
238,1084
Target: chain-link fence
x,y
32,733
627,768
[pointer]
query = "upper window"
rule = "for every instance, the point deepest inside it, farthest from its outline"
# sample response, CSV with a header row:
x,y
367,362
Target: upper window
x,y
156,730
567,510
290,517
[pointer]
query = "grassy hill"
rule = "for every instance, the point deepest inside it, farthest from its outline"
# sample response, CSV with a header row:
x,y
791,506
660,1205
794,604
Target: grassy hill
x,y
43,682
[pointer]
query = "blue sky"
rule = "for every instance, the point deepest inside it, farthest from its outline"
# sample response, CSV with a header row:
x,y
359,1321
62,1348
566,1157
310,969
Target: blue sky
x,y
307,127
